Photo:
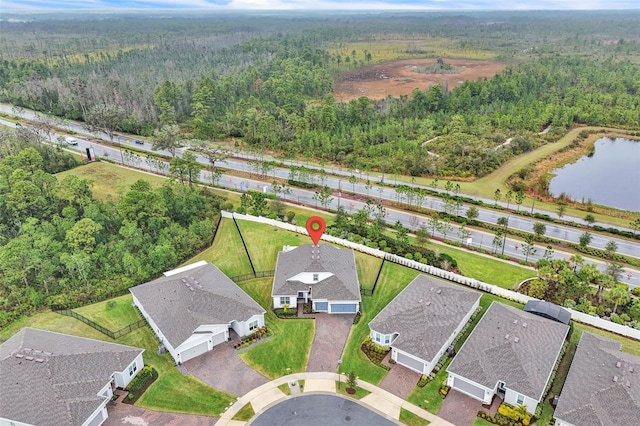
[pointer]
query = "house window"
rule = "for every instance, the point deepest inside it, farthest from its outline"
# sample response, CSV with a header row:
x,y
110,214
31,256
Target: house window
x,y
520,399
378,338
284,300
133,368
253,325
316,277
387,339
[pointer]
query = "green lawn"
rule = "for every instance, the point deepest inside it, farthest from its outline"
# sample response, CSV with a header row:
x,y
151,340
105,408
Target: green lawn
x,y
392,280
51,321
227,251
368,267
245,413
410,419
288,350
285,389
482,422
264,242
109,179
341,388
112,317
491,271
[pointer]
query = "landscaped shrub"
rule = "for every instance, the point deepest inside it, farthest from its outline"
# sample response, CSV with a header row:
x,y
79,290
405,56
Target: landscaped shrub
x,y
373,351
512,413
423,381
142,378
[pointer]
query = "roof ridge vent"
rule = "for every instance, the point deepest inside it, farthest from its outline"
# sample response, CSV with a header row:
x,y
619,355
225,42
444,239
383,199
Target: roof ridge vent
x,y
618,364
627,384
615,378
506,336
524,324
28,358
631,369
19,356
515,321
516,339
39,360
428,303
439,291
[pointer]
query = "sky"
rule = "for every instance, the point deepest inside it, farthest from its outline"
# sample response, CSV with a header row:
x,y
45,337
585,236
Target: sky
x,y
360,5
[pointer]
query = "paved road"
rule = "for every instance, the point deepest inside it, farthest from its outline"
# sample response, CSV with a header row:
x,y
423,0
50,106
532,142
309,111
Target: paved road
x,y
481,239
320,410
340,183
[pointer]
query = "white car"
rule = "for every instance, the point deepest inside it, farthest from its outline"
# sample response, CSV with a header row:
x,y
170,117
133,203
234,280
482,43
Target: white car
x,y
71,141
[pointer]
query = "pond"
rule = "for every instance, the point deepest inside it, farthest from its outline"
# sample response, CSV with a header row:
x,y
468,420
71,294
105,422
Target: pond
x,y
611,176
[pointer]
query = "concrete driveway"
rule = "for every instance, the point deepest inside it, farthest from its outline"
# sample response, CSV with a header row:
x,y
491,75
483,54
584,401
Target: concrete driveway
x,y
124,414
223,369
332,332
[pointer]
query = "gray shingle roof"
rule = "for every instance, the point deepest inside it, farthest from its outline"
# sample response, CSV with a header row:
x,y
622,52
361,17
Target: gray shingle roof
x,y
425,314
343,285
590,396
63,388
206,296
492,354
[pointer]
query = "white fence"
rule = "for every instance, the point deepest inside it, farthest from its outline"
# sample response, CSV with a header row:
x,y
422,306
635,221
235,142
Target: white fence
x,y
441,273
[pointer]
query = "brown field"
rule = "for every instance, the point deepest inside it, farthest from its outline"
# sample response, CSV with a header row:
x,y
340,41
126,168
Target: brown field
x,y
397,78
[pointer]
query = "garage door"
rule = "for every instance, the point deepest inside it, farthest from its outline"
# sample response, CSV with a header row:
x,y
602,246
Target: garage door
x,y
337,308
322,306
218,338
194,351
411,363
468,388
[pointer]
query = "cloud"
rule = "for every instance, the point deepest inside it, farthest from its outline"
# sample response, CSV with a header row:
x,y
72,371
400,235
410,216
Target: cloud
x,y
362,5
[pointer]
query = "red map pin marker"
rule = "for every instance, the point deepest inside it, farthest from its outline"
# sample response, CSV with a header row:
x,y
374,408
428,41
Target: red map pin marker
x,y
315,228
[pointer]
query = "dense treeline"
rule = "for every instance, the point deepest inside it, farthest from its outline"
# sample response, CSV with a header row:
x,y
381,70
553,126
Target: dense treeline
x,y
268,81
60,244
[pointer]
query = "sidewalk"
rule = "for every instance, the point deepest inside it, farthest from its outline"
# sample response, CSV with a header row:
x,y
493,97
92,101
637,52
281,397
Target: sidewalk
x,y
378,400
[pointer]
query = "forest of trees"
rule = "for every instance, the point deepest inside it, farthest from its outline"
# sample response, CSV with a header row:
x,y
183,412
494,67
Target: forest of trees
x,y
60,245
268,82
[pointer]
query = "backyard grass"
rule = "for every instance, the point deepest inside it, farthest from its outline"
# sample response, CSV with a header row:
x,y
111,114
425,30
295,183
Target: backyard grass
x,y
288,350
245,413
110,180
392,280
341,388
492,271
410,419
51,321
227,251
113,314
368,267
264,242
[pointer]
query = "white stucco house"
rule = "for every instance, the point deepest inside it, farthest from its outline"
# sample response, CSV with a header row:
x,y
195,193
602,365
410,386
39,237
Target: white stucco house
x,y
49,378
423,320
193,308
325,275
510,353
602,386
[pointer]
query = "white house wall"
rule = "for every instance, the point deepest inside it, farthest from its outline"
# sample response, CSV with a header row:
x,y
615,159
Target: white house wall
x,y
242,327
511,397
293,300
122,378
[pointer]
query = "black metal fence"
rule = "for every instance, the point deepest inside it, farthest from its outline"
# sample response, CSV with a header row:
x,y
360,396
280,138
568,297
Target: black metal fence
x,y
250,276
113,334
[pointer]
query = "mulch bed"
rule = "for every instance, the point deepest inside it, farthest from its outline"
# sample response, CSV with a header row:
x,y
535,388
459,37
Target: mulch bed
x,y
132,397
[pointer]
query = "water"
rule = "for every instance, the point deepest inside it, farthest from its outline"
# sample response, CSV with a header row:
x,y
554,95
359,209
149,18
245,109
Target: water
x,y
610,177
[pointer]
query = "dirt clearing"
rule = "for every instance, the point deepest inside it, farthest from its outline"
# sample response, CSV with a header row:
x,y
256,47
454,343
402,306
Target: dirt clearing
x,y
398,78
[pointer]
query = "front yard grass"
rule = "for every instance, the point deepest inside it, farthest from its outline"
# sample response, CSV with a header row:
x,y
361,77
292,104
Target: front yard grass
x,y
227,251
288,350
392,280
245,413
113,314
284,388
410,419
341,388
